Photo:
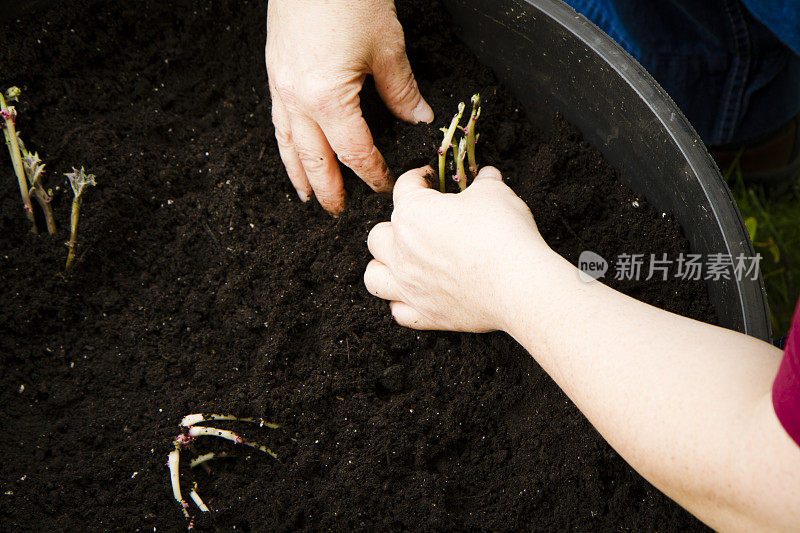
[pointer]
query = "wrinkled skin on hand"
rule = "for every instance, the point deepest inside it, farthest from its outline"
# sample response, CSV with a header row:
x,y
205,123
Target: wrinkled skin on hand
x,y
318,54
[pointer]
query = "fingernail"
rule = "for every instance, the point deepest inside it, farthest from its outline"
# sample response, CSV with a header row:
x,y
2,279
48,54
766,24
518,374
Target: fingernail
x,y
303,195
423,112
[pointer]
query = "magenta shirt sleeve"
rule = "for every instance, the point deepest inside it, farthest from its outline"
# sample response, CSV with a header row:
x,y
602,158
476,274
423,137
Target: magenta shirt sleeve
x,y
786,388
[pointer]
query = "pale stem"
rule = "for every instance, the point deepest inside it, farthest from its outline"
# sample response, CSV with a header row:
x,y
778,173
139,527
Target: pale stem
x,y
461,175
190,420
447,142
35,180
10,134
78,180
44,203
73,233
201,431
472,138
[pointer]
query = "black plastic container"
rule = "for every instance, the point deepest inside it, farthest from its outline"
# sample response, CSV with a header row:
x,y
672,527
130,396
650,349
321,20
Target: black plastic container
x,y
553,58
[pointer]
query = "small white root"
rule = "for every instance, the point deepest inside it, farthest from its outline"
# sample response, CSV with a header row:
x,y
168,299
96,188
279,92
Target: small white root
x,y
202,431
190,433
202,459
197,500
173,463
191,420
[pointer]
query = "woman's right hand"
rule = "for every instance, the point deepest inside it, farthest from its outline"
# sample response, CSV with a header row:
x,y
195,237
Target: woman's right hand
x,y
448,261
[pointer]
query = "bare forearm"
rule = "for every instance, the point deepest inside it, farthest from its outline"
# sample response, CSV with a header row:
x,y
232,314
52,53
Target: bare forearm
x,y
687,404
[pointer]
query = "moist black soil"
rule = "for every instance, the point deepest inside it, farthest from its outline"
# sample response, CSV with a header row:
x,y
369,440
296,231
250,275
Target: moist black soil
x,y
204,285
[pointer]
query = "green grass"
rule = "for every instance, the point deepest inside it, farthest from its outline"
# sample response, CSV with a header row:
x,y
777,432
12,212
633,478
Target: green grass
x,y
772,215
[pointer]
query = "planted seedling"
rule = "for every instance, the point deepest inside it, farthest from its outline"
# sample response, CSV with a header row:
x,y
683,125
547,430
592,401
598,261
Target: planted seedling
x,y
471,135
27,166
34,167
447,143
79,180
465,149
189,432
461,175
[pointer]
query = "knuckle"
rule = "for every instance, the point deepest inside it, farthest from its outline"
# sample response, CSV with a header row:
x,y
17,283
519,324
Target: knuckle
x,y
282,135
372,238
393,50
320,96
407,89
373,233
371,243
322,102
313,162
358,157
270,58
285,90
369,278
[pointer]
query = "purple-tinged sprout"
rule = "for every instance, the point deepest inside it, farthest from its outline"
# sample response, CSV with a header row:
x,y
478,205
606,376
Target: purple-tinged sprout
x,y
183,440
12,142
472,138
461,175
12,94
447,143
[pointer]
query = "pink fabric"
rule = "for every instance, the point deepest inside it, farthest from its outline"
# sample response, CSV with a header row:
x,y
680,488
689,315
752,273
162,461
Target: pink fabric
x,y
786,388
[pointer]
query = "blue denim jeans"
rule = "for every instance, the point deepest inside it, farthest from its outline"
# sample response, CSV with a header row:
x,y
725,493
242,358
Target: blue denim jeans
x,y
732,66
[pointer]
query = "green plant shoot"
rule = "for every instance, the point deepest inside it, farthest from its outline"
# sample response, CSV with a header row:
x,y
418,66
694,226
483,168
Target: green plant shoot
x,y
79,180
34,168
447,143
461,175
27,166
465,150
471,136
8,114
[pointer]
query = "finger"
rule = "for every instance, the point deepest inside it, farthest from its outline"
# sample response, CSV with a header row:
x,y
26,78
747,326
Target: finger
x,y
380,282
283,134
412,180
319,163
489,173
351,140
380,242
398,88
407,316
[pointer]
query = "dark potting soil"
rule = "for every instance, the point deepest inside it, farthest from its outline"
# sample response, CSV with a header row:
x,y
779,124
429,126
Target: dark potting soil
x,y
204,285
